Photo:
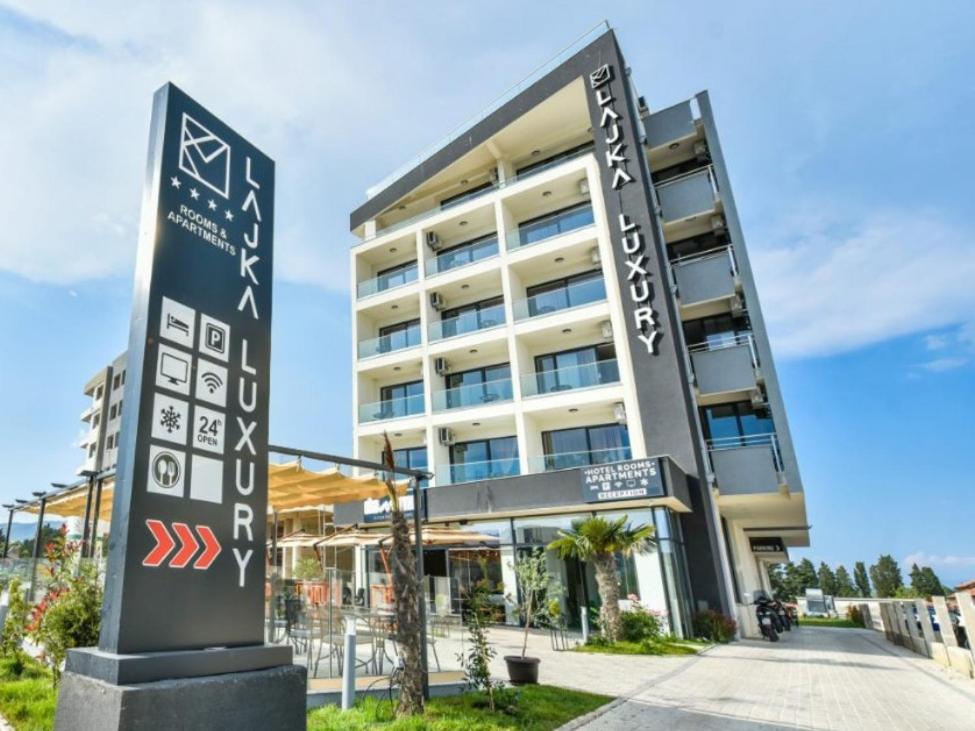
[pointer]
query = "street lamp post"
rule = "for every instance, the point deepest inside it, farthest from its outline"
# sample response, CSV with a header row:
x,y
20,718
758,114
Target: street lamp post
x,y
421,584
37,540
95,517
90,476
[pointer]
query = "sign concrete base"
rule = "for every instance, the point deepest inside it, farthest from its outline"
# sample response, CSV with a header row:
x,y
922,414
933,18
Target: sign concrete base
x,y
264,699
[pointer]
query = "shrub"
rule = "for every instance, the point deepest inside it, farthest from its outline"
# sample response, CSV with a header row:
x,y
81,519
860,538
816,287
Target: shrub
x,y
714,626
13,628
308,569
639,624
854,614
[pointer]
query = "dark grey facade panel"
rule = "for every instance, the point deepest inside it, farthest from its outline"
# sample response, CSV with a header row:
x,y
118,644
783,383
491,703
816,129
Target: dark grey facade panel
x,y
670,124
724,369
708,278
775,400
746,470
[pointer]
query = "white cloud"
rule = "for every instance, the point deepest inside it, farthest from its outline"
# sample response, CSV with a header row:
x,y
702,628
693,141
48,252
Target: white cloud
x,y
935,561
939,365
829,285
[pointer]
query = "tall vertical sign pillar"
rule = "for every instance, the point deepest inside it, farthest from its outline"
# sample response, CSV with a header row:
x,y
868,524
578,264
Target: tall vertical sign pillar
x,y
182,633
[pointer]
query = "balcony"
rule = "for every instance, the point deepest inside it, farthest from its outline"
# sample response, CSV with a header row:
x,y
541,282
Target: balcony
x,y
588,375
728,365
563,298
463,255
475,394
548,227
706,278
386,282
670,124
688,195
746,465
467,322
572,460
473,471
391,409
401,340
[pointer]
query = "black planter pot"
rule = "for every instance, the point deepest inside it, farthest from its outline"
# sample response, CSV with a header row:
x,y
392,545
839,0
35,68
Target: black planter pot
x,y
522,670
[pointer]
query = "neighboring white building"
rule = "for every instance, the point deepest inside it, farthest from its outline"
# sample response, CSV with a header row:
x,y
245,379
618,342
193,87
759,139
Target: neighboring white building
x,y
103,417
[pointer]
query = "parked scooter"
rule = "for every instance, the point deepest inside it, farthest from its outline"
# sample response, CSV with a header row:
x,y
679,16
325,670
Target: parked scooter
x,y
784,620
767,617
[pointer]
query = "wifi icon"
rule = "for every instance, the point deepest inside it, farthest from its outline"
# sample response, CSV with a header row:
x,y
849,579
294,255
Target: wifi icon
x,y
212,381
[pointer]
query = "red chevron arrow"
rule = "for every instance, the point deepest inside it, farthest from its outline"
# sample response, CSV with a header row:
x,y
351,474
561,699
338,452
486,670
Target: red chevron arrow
x,y
164,543
189,547
211,548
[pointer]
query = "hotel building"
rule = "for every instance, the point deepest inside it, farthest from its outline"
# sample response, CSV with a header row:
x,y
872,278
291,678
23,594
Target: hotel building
x,y
103,417
555,315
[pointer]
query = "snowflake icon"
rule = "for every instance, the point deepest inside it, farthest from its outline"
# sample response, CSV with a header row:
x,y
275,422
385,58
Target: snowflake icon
x,y
170,419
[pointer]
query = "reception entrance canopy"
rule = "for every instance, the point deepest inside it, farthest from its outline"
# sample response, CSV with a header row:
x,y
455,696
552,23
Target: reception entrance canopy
x,y
291,486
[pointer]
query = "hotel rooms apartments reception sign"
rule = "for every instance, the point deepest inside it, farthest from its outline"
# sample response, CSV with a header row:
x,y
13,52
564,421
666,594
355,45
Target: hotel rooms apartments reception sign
x,y
194,463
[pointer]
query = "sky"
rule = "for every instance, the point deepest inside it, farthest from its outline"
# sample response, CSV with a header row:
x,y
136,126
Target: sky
x,y
847,129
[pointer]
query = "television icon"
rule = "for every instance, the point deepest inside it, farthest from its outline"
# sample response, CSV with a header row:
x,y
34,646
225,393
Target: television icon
x,y
174,370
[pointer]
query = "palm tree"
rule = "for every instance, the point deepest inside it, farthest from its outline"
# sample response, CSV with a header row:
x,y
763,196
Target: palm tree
x,y
597,540
406,597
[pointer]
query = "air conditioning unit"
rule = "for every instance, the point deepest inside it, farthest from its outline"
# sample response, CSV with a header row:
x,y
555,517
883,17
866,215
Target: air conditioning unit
x,y
701,151
433,241
441,366
606,329
437,301
584,186
718,224
594,255
445,435
619,412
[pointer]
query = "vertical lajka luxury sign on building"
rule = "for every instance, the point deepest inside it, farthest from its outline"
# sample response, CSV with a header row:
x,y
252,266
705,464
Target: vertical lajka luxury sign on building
x,y
186,557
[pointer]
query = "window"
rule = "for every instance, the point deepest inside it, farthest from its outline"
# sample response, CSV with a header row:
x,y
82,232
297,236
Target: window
x,y
395,276
467,252
576,368
401,399
559,294
96,420
111,411
697,245
475,316
98,393
555,223
736,421
474,192
413,458
120,409
716,330
484,459
580,446
478,385
401,335
558,157
123,378
110,441
116,381
91,451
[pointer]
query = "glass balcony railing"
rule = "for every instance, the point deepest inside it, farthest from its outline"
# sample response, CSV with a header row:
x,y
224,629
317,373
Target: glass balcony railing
x,y
462,256
472,471
570,460
391,409
586,375
467,322
399,340
386,282
743,441
564,298
546,228
475,394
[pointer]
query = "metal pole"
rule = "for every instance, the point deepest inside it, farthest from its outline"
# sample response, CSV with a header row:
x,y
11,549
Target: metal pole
x,y
37,547
348,671
84,531
94,522
10,519
420,585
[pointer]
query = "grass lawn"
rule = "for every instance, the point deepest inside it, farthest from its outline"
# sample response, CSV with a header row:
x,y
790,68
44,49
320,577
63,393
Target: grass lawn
x,y
539,708
660,647
828,622
27,702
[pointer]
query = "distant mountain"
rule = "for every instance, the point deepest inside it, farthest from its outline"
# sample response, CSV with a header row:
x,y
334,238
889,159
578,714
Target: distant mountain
x,y
26,531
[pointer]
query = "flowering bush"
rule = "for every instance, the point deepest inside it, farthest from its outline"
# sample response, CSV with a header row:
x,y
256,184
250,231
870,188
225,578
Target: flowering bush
x,y
639,624
69,613
714,626
13,627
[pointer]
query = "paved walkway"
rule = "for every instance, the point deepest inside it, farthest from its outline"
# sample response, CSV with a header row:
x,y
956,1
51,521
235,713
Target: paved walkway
x,y
815,678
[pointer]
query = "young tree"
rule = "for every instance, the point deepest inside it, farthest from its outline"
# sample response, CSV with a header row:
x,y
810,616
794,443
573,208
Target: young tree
x,y
805,576
844,586
861,579
407,598
778,576
536,585
597,540
827,580
886,576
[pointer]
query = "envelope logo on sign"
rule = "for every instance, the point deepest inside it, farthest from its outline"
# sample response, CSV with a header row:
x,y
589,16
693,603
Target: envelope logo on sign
x,y
600,76
204,156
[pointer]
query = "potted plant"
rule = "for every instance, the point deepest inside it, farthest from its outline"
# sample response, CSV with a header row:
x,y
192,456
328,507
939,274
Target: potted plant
x,y
535,583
